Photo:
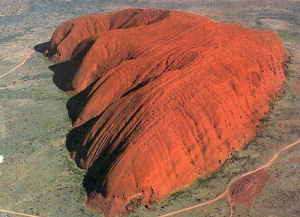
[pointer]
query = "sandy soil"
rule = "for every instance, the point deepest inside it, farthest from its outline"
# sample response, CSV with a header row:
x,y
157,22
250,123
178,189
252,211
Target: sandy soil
x,y
37,176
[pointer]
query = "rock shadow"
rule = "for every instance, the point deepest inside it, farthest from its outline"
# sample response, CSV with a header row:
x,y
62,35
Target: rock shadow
x,y
77,102
75,140
42,48
65,71
94,179
63,76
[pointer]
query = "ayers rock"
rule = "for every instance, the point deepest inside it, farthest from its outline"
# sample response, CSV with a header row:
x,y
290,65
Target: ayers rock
x,y
165,97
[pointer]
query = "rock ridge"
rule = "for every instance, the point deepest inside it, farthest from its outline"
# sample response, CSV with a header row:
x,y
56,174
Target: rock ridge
x,y
160,98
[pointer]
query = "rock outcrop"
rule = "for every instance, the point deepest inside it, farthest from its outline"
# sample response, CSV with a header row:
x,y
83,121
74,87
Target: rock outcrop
x,y
162,97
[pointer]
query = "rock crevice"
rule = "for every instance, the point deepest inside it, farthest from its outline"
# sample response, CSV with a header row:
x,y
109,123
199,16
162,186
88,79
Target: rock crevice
x,y
160,98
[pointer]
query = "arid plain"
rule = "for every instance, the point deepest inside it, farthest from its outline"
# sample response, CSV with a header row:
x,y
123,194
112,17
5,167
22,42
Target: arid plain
x,y
38,178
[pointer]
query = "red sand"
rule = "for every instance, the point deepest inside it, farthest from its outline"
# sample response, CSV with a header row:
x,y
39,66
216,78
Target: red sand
x,y
243,190
168,96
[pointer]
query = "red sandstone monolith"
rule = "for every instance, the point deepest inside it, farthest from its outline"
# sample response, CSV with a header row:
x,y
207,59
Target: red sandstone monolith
x,y
166,96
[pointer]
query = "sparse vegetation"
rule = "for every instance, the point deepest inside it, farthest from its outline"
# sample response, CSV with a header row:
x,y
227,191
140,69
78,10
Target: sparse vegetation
x,y
38,178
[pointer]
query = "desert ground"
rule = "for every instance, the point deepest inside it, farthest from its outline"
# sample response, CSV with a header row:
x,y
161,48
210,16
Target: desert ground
x,y
38,178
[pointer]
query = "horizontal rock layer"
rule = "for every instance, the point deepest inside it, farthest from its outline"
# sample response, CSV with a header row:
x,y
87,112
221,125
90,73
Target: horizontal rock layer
x,y
162,97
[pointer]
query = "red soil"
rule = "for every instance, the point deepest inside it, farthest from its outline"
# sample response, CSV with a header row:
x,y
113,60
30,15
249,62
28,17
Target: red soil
x,y
165,97
243,190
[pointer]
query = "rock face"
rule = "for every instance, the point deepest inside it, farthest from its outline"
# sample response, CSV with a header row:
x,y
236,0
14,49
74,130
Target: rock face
x,y
162,97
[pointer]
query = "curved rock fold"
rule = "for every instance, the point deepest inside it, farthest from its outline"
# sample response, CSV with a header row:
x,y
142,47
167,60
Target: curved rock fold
x,y
160,98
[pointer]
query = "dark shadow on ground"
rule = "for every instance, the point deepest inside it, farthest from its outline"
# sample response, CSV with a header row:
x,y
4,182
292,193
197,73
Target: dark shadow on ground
x,y
94,179
76,103
41,48
64,71
77,142
64,74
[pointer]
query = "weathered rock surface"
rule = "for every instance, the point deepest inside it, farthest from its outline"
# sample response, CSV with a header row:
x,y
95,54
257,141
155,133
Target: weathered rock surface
x,y
162,97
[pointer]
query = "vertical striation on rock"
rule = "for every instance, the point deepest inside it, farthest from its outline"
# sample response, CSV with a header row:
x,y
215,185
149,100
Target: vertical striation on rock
x,y
160,98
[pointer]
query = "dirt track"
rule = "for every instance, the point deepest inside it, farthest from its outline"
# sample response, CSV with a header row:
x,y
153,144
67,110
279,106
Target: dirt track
x,y
283,119
245,185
